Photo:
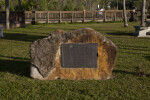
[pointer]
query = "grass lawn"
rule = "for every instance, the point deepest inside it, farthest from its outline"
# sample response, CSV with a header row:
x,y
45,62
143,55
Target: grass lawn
x,y
133,52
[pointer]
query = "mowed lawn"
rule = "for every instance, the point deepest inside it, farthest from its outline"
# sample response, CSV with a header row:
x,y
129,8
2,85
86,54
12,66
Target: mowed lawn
x,y
131,71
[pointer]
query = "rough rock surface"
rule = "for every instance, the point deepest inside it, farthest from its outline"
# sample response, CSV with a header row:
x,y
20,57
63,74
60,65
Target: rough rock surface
x,y
45,56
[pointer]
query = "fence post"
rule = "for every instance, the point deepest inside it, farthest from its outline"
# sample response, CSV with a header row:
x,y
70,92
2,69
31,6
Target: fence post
x,y
94,16
33,17
83,16
60,16
145,14
47,17
122,16
40,15
23,20
72,17
115,15
104,16
28,15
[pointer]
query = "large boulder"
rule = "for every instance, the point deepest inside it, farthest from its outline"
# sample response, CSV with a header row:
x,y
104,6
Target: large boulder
x,y
46,56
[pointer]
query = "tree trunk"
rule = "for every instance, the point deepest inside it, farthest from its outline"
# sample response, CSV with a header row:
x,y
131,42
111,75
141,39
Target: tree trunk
x,y
143,12
117,4
7,13
20,3
124,14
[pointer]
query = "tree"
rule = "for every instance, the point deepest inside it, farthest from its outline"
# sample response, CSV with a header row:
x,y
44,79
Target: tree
x,y
104,3
7,13
117,5
143,12
124,14
42,5
2,5
137,4
69,6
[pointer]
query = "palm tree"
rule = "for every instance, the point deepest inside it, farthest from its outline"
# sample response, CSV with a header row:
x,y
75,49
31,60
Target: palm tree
x,y
7,13
124,14
143,12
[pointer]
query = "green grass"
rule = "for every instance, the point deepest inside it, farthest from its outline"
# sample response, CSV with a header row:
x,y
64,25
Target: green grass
x,y
15,82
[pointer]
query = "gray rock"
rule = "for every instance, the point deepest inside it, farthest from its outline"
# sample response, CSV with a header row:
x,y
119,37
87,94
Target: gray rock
x,y
45,55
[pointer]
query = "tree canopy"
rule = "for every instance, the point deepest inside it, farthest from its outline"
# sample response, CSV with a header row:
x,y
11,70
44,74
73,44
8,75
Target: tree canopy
x,y
70,5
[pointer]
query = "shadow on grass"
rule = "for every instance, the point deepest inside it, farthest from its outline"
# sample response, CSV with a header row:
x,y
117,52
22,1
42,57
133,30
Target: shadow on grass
x,y
132,53
137,74
22,37
136,49
18,67
147,57
120,34
133,46
14,58
54,29
124,72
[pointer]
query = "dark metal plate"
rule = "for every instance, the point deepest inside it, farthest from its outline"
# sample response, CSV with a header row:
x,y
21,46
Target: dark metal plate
x,y
79,55
148,33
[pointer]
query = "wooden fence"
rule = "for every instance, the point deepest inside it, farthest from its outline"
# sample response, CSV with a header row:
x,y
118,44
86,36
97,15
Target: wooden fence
x,y
17,19
74,16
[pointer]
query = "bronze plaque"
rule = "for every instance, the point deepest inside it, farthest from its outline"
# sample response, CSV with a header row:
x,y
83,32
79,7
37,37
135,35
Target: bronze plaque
x,y
79,55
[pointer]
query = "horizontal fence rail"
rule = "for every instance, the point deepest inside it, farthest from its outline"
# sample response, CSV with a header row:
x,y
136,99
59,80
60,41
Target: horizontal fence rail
x,y
75,16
